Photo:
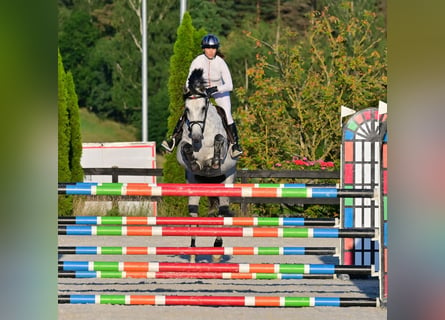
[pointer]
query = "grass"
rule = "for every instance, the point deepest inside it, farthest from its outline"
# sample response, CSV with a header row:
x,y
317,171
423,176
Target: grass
x,y
94,129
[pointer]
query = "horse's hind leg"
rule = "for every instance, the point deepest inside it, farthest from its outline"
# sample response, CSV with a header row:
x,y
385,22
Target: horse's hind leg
x,y
214,211
213,206
216,258
217,146
193,212
223,211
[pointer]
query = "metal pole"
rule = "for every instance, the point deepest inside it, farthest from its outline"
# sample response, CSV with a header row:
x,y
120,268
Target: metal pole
x,y
144,72
183,6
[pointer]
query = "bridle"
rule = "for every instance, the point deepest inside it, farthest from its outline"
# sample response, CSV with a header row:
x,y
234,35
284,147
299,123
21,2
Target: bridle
x,y
200,123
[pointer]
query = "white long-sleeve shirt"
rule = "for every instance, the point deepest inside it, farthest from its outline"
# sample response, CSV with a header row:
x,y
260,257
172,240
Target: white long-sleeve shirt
x,y
216,74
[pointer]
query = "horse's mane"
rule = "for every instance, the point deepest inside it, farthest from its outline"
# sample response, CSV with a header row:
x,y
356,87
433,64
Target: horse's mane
x,y
196,84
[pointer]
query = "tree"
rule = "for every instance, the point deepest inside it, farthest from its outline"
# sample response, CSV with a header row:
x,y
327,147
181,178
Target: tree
x,y
76,38
340,62
63,169
210,16
75,146
240,52
106,64
162,27
185,48
69,138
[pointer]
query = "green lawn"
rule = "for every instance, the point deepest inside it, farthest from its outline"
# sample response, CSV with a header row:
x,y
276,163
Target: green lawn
x,y
94,129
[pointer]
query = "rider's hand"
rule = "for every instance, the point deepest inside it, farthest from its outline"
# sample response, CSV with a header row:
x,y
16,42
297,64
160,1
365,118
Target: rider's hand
x,y
211,90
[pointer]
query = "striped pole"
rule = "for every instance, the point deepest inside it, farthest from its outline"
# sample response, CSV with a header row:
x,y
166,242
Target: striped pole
x,y
198,250
215,221
211,185
80,230
145,189
191,275
241,301
212,267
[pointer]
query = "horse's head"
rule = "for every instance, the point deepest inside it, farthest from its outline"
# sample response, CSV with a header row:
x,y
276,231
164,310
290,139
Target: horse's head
x,y
196,105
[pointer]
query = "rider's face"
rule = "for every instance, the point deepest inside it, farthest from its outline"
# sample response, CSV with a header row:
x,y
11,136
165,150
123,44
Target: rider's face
x,y
210,52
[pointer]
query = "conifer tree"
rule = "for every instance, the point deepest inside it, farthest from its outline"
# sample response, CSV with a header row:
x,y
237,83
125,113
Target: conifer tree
x,y
75,146
185,49
64,173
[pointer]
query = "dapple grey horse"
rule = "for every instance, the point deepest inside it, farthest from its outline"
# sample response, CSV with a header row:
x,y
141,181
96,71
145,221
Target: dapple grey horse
x,y
204,149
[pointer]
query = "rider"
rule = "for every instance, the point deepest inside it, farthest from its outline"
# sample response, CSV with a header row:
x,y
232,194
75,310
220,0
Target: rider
x,y
219,84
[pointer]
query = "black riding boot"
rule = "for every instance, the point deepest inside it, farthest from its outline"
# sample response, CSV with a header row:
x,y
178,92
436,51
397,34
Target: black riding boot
x,y
236,148
232,133
176,136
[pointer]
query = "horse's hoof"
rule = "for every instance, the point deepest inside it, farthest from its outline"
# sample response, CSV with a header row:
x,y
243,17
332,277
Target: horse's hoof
x,y
343,277
216,164
218,243
224,211
192,259
216,258
195,166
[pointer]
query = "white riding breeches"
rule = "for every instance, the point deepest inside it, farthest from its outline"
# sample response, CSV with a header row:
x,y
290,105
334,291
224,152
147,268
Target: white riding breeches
x,y
223,100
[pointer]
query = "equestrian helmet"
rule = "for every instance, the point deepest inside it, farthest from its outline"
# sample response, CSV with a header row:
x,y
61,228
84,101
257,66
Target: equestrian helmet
x,y
210,41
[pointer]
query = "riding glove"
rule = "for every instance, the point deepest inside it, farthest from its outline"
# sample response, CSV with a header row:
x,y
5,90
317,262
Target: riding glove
x,y
211,90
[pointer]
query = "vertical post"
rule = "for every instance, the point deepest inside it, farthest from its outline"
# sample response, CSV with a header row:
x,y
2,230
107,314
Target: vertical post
x,y
362,167
183,6
383,276
144,72
243,201
114,174
114,179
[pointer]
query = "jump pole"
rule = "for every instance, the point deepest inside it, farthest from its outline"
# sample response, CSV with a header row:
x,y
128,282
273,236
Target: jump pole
x,y
214,221
198,250
80,230
187,190
240,301
297,268
191,275
212,185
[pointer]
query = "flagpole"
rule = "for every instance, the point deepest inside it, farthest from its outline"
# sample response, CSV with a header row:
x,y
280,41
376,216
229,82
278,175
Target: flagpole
x,y
183,7
144,73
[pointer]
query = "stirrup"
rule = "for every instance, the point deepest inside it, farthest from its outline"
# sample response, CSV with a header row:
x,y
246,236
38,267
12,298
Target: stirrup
x,y
169,145
236,151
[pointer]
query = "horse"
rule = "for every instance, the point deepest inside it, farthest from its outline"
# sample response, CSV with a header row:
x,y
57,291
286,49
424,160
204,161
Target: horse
x,y
204,150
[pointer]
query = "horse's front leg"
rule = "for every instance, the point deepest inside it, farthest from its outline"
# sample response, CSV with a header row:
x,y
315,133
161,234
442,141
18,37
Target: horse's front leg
x,y
187,154
217,147
193,207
